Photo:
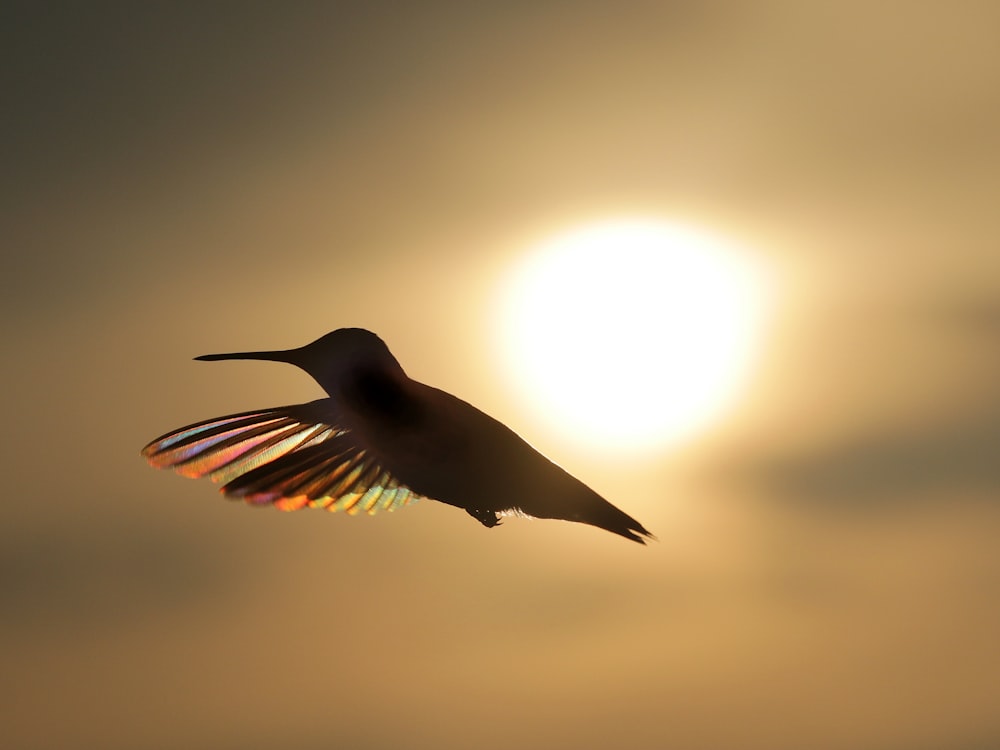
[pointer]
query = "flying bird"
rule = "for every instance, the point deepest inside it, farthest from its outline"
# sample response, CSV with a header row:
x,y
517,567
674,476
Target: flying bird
x,y
379,442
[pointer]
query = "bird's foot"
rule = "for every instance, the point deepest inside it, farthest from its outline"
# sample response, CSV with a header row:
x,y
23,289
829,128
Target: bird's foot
x,y
487,518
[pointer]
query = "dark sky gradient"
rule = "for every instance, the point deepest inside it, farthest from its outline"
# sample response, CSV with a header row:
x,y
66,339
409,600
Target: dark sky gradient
x,y
180,179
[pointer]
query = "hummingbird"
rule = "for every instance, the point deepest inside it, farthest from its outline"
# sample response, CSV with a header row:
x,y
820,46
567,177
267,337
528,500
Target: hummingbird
x,y
379,441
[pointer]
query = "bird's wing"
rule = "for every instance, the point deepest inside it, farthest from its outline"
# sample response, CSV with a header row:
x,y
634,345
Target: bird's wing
x,y
291,457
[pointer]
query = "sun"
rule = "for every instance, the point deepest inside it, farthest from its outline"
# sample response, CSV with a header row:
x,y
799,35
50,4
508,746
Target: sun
x,y
632,333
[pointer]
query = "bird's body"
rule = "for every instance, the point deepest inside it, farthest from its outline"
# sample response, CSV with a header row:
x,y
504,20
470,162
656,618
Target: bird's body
x,y
378,441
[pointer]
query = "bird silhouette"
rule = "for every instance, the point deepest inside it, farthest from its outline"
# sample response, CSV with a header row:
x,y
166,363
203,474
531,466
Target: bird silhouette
x,y
380,441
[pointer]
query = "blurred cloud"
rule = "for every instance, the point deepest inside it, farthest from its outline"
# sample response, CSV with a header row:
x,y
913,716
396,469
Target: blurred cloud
x,y
106,576
975,315
910,465
946,444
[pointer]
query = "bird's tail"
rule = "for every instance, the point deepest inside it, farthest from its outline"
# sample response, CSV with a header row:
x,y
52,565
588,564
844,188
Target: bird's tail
x,y
607,516
572,500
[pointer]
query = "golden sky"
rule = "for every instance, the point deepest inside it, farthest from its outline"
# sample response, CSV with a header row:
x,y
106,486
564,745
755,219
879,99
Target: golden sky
x,y
184,180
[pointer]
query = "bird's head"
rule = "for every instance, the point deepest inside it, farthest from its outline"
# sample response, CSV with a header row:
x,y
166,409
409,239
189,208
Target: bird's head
x,y
330,358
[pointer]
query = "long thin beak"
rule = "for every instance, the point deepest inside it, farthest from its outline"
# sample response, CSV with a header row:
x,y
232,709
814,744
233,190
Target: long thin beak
x,y
276,356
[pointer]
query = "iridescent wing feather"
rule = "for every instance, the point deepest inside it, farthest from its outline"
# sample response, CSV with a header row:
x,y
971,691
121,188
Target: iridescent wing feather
x,y
291,457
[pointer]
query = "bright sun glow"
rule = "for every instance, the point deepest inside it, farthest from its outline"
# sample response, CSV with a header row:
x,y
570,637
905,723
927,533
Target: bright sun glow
x,y
632,333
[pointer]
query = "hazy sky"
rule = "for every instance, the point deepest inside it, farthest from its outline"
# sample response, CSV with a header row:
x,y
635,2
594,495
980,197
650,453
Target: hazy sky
x,y
189,179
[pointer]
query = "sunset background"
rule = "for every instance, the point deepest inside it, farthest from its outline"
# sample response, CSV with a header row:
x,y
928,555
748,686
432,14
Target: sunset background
x,y
185,179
